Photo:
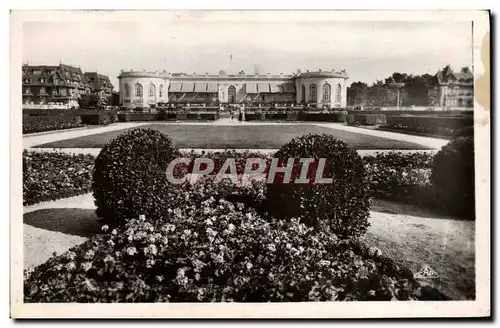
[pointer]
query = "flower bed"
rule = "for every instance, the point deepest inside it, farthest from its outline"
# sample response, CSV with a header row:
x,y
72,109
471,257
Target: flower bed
x,y
366,119
395,175
432,125
207,249
32,124
49,176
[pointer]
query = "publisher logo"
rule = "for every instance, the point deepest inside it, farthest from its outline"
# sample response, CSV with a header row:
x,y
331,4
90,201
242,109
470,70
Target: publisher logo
x,y
426,273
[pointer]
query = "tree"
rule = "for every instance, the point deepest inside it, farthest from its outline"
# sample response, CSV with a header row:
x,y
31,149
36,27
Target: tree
x,y
89,100
357,94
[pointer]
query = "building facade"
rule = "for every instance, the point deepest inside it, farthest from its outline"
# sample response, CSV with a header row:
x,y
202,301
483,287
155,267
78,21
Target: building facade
x,y
141,89
100,85
61,84
453,89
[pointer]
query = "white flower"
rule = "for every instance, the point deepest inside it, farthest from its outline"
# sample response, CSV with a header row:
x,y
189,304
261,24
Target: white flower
x,y
142,217
114,232
89,255
109,258
249,265
159,278
152,249
71,255
111,242
105,228
131,251
271,247
86,266
71,266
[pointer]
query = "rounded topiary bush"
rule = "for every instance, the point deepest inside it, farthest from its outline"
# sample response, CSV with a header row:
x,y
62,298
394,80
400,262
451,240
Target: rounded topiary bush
x,y
130,175
453,177
341,206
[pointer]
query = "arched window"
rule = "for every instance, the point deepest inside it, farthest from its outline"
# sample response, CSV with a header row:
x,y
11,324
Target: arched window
x,y
138,90
152,90
312,93
303,93
338,94
231,94
127,90
161,90
327,92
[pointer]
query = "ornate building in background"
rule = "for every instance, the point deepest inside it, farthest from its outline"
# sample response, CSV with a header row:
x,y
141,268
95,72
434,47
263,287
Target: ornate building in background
x,y
453,89
62,84
141,89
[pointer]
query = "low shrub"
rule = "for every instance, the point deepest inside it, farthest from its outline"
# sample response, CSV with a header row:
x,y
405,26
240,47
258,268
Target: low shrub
x,y
336,116
130,175
395,175
447,126
366,119
453,177
342,207
209,250
102,118
33,124
138,117
50,176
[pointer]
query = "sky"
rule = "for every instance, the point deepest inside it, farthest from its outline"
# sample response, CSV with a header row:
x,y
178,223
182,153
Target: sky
x,y
367,50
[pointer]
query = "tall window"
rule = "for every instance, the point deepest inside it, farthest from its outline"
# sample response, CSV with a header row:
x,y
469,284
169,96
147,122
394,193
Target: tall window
x,y
161,90
231,95
338,94
312,93
327,92
127,90
138,90
152,90
303,93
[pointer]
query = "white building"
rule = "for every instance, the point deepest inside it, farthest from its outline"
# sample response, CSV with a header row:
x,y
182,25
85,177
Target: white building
x,y
322,88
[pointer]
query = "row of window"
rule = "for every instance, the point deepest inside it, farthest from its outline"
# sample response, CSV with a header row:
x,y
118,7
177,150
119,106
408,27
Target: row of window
x,y
327,91
139,92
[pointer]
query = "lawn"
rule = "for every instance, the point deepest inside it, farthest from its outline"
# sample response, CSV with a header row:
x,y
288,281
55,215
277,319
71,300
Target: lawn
x,y
238,137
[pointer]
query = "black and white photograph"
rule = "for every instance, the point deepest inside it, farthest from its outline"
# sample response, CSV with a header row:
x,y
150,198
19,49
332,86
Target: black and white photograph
x,y
257,164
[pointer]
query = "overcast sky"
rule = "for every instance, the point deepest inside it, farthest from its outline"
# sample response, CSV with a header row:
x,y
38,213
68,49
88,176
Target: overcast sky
x,y
367,50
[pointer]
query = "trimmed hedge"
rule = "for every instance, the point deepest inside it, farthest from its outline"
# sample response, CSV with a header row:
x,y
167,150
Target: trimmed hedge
x,y
129,117
444,126
129,177
453,177
366,119
342,206
33,124
335,116
50,176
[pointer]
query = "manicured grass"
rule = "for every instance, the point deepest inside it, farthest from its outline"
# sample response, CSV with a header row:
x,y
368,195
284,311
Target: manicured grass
x,y
238,137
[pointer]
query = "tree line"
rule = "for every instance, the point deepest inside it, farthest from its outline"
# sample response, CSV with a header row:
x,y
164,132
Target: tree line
x,y
414,90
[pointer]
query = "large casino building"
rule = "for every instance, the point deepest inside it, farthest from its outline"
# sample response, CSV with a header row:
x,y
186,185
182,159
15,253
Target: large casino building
x,y
141,89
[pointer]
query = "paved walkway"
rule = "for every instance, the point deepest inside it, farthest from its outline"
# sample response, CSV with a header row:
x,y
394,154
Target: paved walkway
x,y
30,141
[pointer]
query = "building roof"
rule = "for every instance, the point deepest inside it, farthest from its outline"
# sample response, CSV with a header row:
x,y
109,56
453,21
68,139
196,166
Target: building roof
x,y
447,75
98,81
65,74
